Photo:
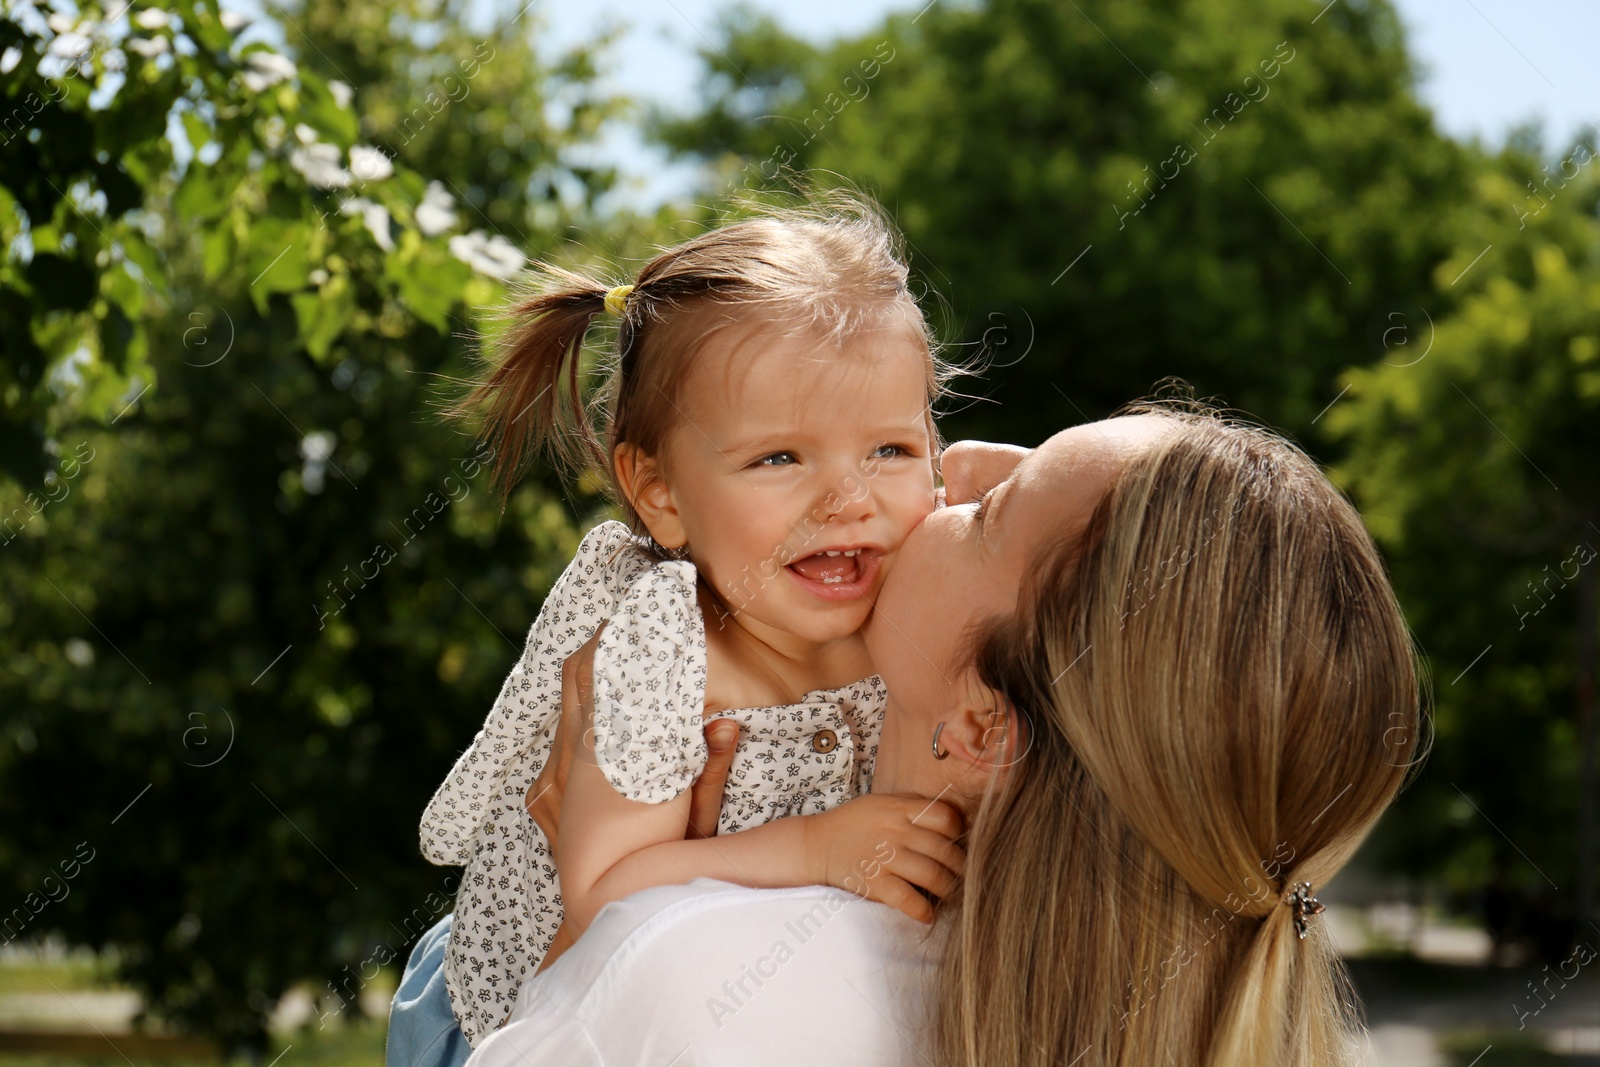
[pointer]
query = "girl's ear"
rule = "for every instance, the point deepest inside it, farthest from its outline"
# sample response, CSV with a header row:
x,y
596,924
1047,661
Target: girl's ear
x,y
639,478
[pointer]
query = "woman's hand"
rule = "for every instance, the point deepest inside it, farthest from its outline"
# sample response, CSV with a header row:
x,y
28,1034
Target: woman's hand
x,y
882,846
543,799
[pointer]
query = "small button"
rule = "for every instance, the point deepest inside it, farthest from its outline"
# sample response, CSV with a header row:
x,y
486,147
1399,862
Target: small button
x,y
824,741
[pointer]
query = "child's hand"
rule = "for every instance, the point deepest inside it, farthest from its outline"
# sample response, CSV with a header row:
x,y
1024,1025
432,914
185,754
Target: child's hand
x,y
881,846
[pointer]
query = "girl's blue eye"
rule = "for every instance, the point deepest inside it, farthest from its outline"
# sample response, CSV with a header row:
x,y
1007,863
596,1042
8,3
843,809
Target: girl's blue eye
x,y
890,452
777,459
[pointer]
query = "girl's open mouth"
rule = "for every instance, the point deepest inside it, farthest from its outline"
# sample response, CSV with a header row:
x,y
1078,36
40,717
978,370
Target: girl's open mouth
x,y
838,574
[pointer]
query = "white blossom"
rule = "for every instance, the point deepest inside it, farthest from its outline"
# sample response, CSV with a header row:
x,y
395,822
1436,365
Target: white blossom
x,y
151,19
234,21
494,256
69,45
149,47
60,23
266,70
10,59
437,212
304,134
370,164
320,165
342,92
376,216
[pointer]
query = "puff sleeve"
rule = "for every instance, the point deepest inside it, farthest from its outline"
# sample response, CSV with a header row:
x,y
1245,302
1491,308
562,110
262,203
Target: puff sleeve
x,y
649,687
521,725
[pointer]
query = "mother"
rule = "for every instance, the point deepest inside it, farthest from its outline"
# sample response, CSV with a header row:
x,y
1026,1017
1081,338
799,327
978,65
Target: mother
x,y
1159,667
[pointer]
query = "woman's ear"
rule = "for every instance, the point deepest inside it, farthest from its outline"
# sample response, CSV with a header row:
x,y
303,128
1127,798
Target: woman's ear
x,y
984,729
639,478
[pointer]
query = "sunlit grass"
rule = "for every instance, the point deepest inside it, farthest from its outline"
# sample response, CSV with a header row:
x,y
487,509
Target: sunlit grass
x,y
1505,1049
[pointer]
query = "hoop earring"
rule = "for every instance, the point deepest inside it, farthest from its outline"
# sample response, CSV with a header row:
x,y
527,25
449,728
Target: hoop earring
x,y
936,753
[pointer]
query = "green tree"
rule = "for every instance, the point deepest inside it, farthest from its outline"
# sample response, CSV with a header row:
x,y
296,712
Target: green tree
x,y
1473,459
257,595
1231,193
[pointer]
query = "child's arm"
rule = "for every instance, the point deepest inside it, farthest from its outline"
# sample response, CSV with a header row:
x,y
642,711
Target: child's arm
x,y
879,846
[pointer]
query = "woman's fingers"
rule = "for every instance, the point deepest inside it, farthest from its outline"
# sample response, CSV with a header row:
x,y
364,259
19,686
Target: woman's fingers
x,y
543,799
972,468
705,796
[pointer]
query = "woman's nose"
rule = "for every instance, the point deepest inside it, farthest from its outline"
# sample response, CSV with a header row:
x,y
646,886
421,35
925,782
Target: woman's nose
x,y
972,468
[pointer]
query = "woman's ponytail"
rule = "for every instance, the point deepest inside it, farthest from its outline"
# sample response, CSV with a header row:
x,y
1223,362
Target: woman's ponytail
x,y
1288,999
525,404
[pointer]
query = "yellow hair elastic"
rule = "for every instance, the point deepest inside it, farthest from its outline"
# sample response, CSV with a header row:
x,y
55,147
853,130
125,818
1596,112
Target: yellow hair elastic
x,y
617,298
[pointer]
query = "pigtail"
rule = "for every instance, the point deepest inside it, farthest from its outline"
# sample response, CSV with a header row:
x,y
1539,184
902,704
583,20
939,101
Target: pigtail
x,y
531,399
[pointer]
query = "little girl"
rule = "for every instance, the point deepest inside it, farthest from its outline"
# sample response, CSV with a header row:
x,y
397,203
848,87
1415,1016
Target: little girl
x,y
767,432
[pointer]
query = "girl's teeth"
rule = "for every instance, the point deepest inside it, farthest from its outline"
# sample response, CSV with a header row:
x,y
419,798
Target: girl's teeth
x,y
833,581
852,552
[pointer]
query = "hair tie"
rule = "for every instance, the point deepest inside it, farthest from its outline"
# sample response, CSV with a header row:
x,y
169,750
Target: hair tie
x,y
617,299
1306,907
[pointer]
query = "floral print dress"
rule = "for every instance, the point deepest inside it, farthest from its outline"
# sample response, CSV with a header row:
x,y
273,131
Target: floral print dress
x,y
649,701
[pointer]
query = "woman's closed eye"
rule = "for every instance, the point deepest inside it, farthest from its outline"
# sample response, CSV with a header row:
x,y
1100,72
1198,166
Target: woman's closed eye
x,y
981,512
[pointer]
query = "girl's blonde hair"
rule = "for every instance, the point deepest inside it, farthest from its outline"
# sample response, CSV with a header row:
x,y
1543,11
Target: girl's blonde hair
x,y
830,268
1223,699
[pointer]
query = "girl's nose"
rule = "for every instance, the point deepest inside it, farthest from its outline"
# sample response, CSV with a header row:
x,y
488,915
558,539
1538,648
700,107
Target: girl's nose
x,y
972,468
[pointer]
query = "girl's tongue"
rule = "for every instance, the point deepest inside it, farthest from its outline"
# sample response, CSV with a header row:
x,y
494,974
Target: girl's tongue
x,y
834,568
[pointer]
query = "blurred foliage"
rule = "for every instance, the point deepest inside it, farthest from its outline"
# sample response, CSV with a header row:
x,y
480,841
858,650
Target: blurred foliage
x,y
257,596
1473,454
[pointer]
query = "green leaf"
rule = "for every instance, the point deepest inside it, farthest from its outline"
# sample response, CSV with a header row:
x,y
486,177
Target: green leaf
x,y
195,128
276,260
431,282
203,194
218,251
319,110
323,315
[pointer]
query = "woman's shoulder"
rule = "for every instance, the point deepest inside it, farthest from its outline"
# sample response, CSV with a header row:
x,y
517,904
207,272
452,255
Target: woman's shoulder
x,y
724,966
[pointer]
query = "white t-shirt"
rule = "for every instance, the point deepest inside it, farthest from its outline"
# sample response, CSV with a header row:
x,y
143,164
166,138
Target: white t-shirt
x,y
711,974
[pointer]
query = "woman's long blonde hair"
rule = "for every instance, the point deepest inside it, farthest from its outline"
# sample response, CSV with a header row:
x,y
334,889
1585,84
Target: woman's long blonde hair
x,y
1223,699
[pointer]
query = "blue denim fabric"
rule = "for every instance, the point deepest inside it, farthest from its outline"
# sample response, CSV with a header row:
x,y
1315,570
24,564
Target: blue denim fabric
x,y
422,1028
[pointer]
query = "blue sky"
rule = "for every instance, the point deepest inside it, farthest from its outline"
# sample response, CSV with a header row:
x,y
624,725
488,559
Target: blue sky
x,y
1490,64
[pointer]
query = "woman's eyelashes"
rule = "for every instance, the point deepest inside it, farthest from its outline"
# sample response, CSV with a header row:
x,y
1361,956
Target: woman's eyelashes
x,y
982,510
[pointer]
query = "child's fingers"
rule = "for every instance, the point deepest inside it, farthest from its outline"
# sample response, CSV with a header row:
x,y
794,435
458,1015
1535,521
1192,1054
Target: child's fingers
x,y
898,893
938,848
922,870
933,815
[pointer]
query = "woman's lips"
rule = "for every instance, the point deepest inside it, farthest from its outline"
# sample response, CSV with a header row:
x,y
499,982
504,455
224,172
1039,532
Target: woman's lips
x,y
838,574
